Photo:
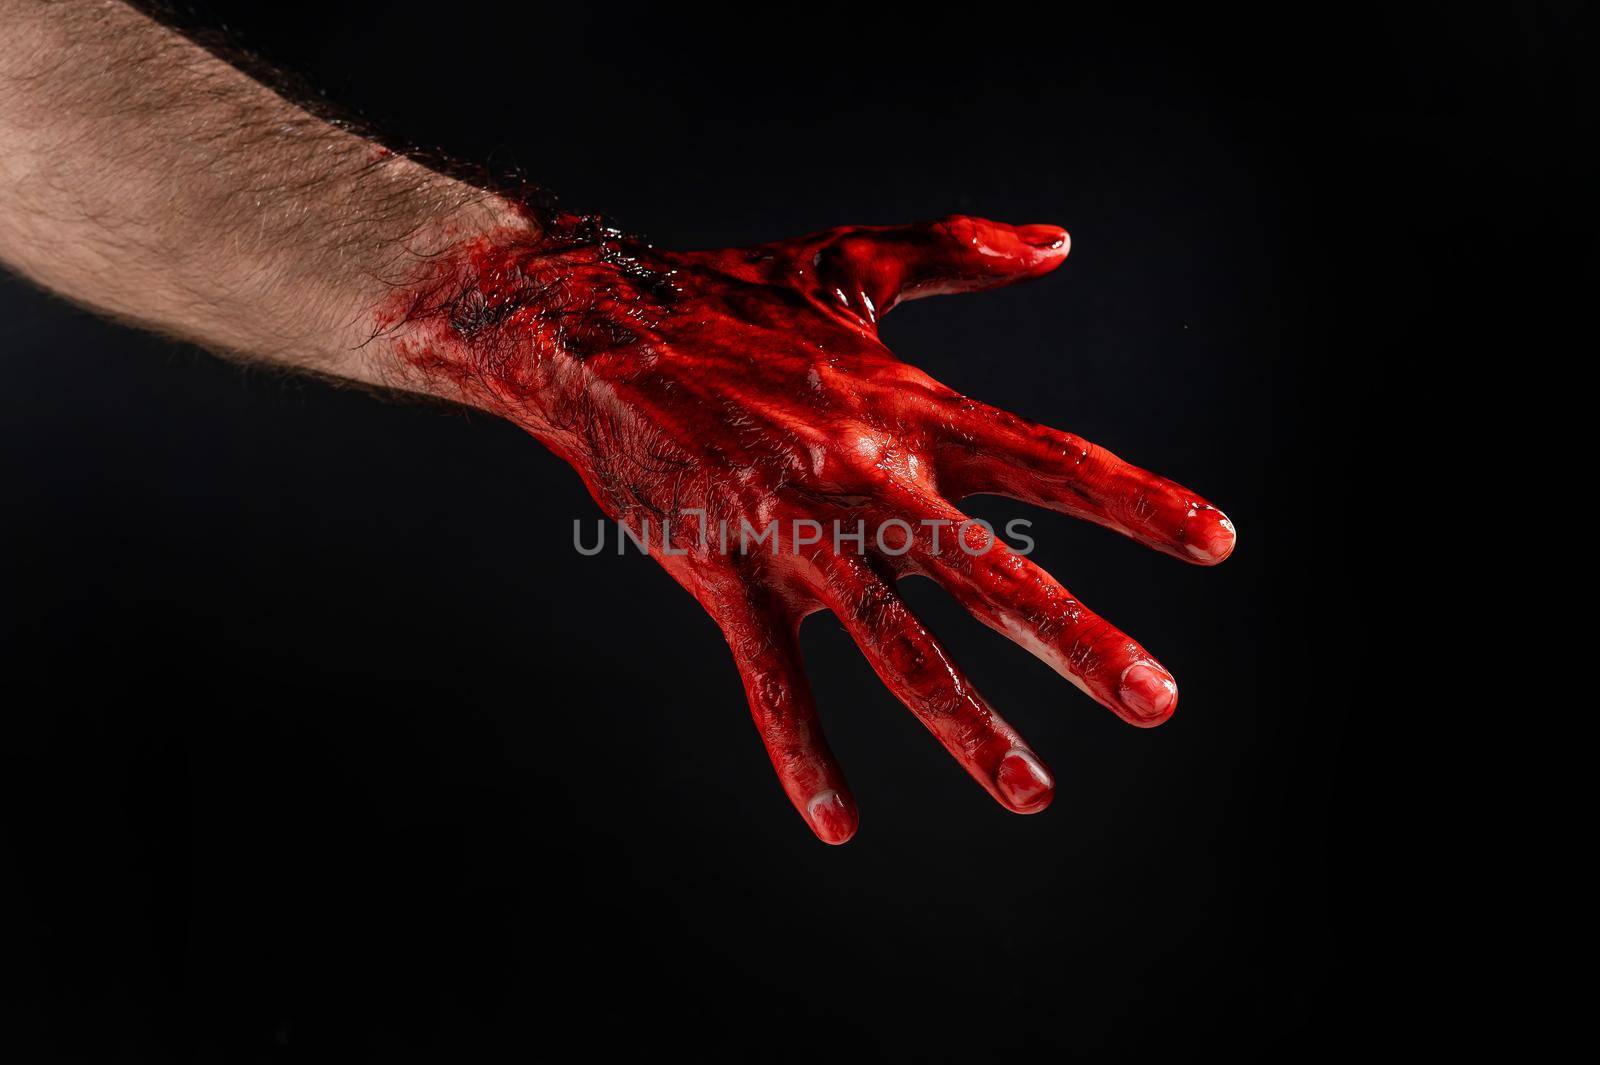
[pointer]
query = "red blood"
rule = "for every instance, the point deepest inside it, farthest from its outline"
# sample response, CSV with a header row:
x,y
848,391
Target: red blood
x,y
750,384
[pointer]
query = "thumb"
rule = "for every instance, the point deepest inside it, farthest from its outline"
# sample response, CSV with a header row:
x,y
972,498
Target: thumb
x,y
957,253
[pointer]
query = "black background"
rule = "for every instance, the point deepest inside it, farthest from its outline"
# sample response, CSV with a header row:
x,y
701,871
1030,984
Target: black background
x,y
321,739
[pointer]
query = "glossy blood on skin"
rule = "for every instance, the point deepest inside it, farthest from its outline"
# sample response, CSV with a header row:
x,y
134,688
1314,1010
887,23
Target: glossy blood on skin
x,y
750,384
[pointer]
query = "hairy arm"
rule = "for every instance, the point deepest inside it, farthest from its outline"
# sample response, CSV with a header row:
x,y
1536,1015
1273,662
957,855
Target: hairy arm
x,y
145,178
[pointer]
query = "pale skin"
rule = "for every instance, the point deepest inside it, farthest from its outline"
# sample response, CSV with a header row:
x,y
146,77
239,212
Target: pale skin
x,y
149,180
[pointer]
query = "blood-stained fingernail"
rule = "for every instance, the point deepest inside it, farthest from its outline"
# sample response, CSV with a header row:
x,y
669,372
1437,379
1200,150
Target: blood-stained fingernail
x,y
1208,535
833,818
1149,691
1041,236
1025,783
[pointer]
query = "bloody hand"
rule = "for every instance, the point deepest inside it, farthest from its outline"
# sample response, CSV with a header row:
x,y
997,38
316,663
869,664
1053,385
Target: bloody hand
x,y
748,387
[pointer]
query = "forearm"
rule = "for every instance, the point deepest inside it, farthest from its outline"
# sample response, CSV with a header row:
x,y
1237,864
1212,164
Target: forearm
x,y
145,178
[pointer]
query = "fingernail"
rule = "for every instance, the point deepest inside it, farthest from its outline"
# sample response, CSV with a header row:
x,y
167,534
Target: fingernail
x,y
1149,691
832,817
1208,535
1024,782
1041,236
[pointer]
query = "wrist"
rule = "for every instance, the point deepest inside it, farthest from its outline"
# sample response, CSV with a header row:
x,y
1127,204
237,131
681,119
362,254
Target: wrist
x,y
490,311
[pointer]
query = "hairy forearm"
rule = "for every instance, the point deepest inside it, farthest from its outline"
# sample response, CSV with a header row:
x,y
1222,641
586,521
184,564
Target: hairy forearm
x,y
144,177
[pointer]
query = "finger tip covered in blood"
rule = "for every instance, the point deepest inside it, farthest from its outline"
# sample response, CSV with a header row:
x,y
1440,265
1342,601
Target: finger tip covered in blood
x,y
1024,783
1149,693
832,817
1208,536
1045,238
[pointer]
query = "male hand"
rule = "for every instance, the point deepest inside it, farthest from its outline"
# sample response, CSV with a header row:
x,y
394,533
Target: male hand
x,y
717,393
